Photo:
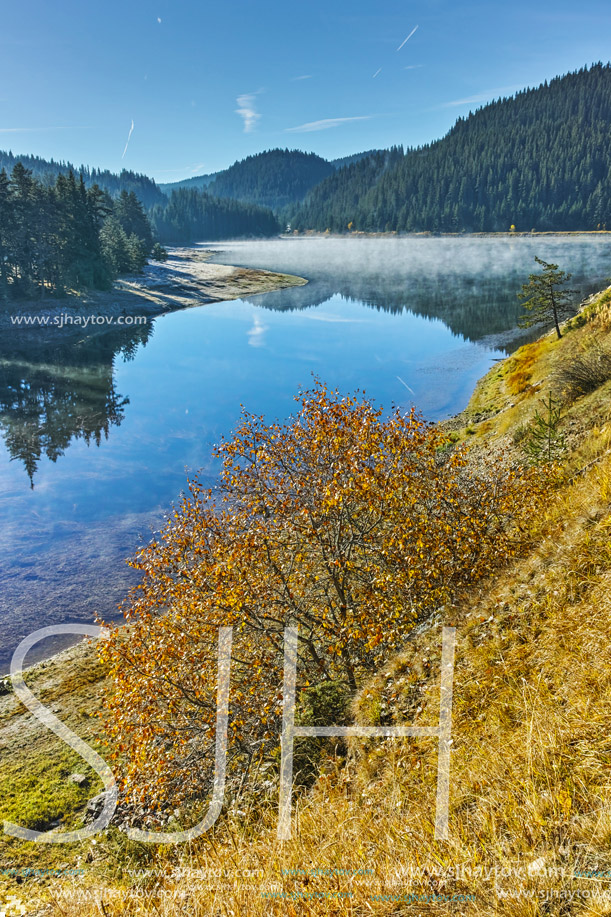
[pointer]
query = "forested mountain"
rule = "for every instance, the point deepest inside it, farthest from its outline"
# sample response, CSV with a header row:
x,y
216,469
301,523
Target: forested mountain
x,y
55,237
342,190
271,179
356,157
198,182
540,159
192,215
47,170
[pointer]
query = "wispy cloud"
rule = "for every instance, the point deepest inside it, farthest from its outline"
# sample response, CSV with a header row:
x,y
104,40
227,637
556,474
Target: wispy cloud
x,y
405,40
248,112
482,96
324,125
129,137
413,66
306,76
378,71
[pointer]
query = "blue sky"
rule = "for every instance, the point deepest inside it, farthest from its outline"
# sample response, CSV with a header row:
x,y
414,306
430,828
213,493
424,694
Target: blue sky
x,y
206,83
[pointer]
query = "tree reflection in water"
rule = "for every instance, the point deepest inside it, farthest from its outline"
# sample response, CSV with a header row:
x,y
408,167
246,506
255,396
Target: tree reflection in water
x,y
55,389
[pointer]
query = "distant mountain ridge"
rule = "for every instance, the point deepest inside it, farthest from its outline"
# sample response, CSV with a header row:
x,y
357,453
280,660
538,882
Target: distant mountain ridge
x,y
275,178
355,157
47,170
198,181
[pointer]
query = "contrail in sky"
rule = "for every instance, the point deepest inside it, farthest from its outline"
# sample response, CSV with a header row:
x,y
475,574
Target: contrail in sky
x,y
128,139
407,39
376,73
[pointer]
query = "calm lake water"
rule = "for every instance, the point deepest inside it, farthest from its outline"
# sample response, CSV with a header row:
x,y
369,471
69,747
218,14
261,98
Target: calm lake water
x,y
98,432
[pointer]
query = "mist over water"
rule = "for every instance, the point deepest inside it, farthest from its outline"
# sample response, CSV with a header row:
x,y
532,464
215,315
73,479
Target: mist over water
x,y
469,282
98,429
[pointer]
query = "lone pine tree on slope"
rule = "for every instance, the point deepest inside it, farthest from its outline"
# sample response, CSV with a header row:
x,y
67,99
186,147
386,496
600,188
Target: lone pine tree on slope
x,y
546,297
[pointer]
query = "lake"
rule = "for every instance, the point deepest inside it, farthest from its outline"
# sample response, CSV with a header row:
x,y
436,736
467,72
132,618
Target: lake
x,y
98,434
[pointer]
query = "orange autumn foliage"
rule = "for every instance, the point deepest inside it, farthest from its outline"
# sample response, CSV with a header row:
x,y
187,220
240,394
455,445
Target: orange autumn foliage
x,y
348,523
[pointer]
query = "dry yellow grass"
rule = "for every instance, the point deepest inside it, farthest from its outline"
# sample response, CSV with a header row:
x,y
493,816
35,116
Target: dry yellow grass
x,y
530,799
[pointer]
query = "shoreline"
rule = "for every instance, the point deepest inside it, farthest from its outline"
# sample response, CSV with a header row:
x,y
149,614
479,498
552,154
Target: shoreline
x,y
431,234
186,280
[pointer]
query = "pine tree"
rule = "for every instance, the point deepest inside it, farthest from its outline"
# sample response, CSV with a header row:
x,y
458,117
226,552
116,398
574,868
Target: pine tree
x,y
115,247
6,231
544,443
545,297
129,212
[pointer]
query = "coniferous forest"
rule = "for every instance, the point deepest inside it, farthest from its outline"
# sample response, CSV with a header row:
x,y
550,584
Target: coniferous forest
x,y
538,160
47,170
273,179
63,235
192,215
55,237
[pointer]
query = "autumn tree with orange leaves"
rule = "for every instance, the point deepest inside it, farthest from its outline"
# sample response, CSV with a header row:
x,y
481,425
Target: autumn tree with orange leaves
x,y
344,522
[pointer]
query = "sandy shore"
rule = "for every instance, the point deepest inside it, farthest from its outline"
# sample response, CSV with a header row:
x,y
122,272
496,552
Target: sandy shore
x,y
187,279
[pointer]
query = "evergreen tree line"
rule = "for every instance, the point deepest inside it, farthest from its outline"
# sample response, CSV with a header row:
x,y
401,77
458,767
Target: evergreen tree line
x,y
47,170
538,160
192,214
61,236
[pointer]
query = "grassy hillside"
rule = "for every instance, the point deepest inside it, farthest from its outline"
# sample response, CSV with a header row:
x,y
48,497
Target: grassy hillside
x,y
530,803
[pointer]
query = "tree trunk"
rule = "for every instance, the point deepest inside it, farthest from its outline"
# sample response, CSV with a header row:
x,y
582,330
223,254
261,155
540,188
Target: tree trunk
x,y
556,322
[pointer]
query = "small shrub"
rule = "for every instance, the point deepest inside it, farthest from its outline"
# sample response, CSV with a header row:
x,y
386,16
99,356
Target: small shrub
x,y
522,367
520,433
159,253
585,373
543,441
602,317
324,704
